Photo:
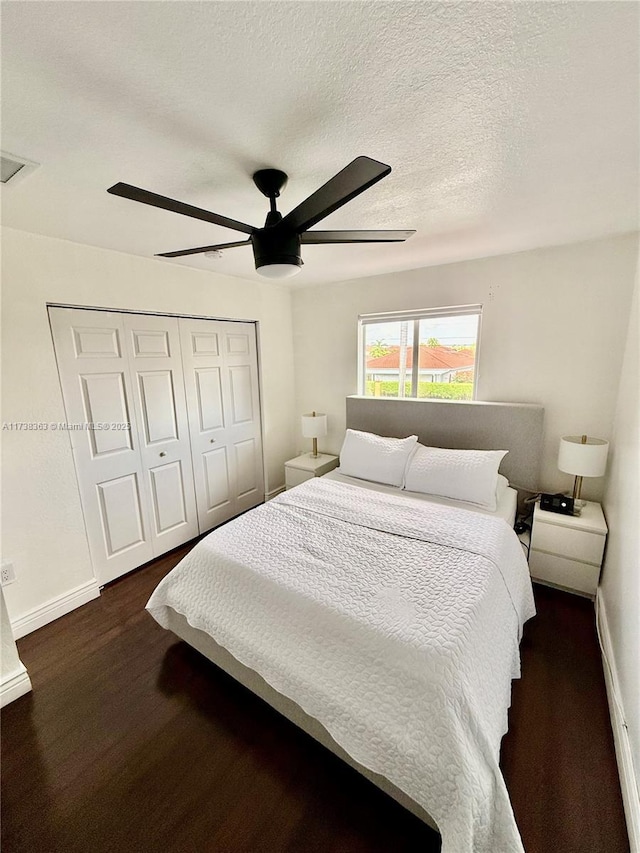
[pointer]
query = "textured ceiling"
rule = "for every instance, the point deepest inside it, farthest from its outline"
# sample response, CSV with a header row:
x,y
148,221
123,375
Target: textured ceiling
x,y
508,125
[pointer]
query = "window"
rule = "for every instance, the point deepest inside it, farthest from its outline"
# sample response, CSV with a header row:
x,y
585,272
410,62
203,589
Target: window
x,y
430,353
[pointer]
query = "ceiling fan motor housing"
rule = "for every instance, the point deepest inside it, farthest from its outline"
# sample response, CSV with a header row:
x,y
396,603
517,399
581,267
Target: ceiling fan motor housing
x,y
275,245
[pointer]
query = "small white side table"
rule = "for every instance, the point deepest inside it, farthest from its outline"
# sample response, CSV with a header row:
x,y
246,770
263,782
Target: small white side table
x,y
566,550
305,467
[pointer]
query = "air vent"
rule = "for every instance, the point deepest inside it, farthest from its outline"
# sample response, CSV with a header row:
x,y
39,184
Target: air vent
x,y
14,167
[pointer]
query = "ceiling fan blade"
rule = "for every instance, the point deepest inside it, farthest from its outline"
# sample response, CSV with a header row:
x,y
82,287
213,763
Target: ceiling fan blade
x,y
355,236
155,200
355,178
201,249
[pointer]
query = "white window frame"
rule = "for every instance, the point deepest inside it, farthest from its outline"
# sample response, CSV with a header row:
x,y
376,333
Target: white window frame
x,y
415,316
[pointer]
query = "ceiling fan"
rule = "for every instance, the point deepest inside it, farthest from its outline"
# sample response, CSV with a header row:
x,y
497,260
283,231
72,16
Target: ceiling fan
x,y
276,246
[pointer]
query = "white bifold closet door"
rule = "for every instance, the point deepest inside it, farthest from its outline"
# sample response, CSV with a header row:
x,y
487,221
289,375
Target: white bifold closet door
x,y
221,381
122,374
159,403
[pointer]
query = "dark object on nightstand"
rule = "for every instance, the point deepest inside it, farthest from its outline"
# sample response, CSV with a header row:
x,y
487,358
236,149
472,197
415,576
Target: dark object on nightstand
x,y
557,503
522,529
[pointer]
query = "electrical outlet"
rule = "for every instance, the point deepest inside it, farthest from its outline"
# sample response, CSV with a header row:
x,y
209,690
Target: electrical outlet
x,y
7,573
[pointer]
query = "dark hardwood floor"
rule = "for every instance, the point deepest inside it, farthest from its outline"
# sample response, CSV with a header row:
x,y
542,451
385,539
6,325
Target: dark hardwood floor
x,y
131,741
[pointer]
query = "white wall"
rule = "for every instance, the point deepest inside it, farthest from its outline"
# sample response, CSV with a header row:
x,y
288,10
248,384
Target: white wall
x,y
14,681
553,332
43,530
620,583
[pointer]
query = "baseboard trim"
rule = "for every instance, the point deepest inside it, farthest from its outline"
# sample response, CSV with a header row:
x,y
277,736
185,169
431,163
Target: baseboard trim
x,y
14,686
54,609
624,754
274,492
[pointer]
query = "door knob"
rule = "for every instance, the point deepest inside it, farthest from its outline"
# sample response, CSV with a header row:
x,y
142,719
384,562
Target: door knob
x,y
212,441
162,453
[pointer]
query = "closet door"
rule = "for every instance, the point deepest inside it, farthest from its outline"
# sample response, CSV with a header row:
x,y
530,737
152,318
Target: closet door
x,y
221,383
153,345
92,362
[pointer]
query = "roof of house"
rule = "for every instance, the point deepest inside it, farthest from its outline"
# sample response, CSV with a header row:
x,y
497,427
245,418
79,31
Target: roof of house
x,y
430,357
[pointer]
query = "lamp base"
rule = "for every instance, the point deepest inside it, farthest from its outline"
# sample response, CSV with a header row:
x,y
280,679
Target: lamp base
x,y
577,488
578,503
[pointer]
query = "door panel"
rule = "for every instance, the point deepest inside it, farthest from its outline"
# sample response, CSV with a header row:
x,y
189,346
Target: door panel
x,y
167,483
216,471
121,513
205,343
221,383
241,394
150,343
153,346
209,398
96,342
157,403
238,344
246,466
96,387
105,407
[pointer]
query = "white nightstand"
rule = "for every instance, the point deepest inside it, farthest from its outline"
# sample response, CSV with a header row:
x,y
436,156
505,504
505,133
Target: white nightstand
x,y
566,550
305,467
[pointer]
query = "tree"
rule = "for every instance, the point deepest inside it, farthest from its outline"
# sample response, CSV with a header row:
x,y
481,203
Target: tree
x,y
378,348
433,342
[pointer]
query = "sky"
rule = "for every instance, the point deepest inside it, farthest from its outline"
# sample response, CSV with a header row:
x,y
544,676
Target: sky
x,y
448,330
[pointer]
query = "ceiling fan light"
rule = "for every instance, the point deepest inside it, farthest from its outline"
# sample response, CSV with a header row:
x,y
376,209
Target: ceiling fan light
x,y
278,270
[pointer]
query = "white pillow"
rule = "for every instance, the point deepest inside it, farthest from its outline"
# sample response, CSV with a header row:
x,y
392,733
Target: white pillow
x,y
372,457
501,487
462,475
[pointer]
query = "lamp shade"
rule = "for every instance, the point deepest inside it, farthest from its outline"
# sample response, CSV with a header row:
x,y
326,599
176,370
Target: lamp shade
x,y
583,459
314,425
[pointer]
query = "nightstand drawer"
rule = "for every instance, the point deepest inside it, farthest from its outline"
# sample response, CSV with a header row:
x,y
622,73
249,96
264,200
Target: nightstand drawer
x,y
573,544
295,476
559,571
306,467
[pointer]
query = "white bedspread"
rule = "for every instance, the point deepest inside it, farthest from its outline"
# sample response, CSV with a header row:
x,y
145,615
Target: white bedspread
x,y
393,622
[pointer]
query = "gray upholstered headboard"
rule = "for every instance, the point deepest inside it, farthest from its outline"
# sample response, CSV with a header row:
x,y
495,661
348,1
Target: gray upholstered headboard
x,y
516,427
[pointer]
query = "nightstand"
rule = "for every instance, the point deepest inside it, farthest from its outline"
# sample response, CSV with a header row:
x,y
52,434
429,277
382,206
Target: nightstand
x,y
566,550
305,467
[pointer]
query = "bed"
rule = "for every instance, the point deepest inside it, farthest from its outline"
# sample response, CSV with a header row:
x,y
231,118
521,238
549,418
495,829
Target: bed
x,y
384,623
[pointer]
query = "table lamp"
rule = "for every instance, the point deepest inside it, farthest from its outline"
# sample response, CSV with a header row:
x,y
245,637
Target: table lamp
x,y
582,457
314,426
